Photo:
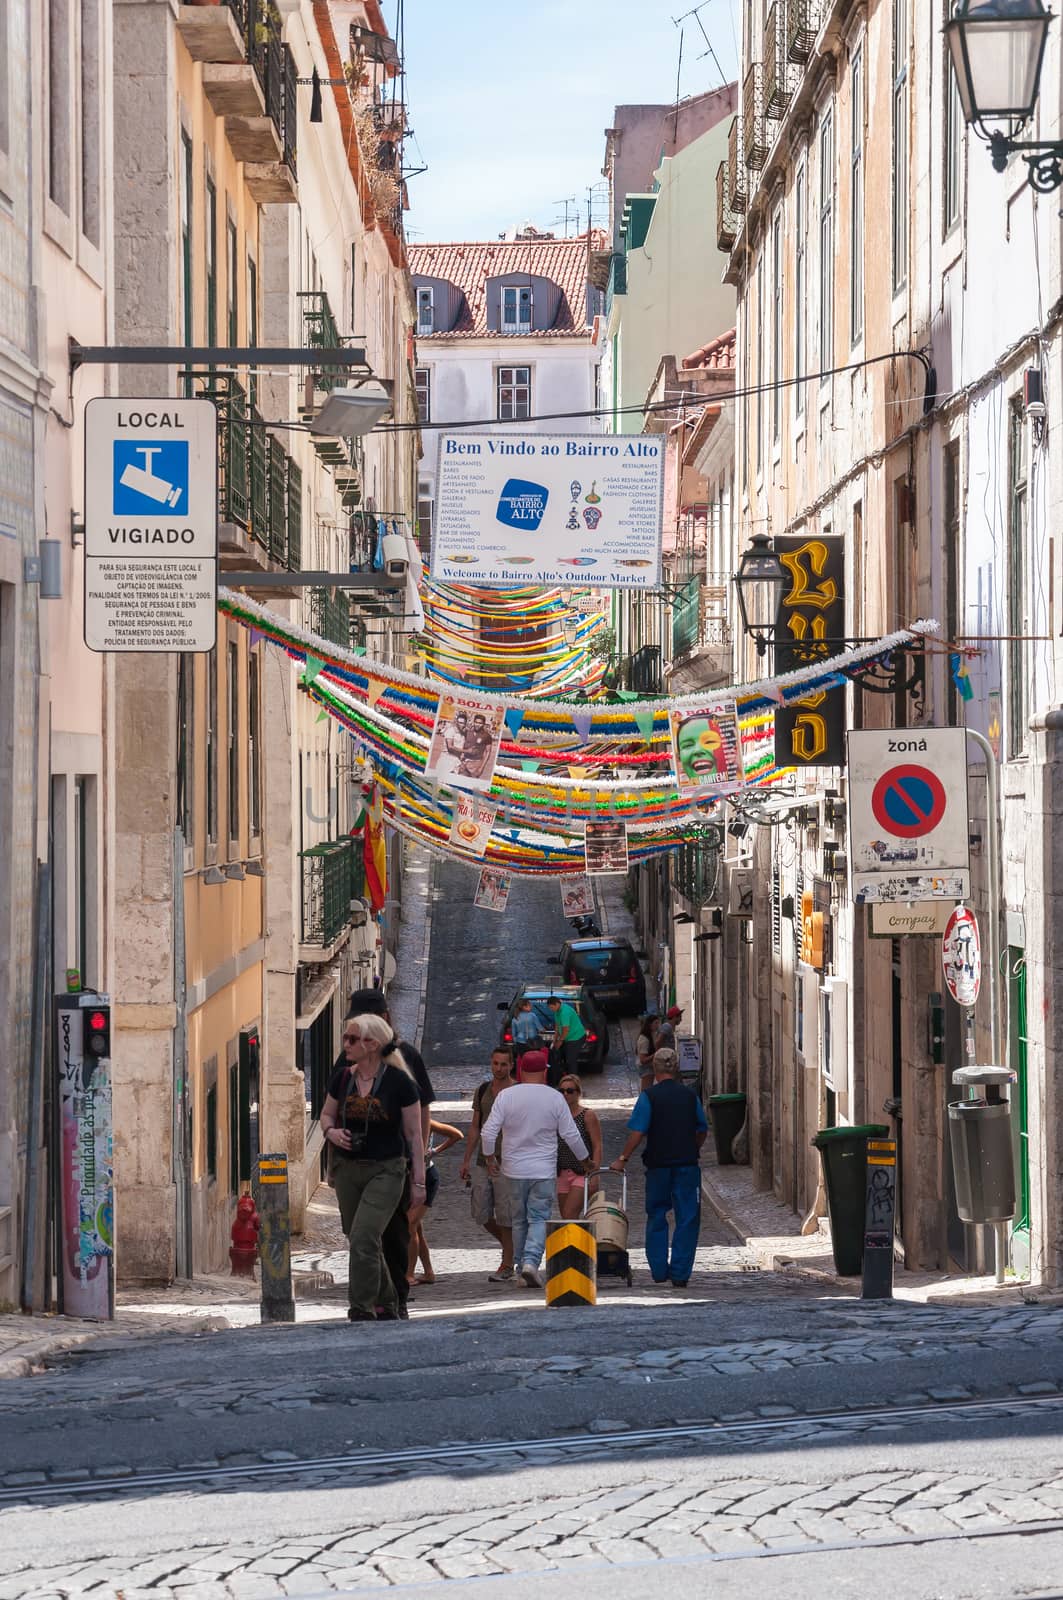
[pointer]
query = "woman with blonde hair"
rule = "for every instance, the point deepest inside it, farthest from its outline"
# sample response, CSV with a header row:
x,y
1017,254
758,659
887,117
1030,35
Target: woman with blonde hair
x,y
371,1116
572,1176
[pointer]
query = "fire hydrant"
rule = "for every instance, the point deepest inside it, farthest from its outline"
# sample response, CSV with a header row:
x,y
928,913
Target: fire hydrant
x,y
244,1234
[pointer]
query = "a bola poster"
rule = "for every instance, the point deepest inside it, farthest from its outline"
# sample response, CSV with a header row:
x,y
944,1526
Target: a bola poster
x,y
492,889
465,741
810,732
705,746
577,897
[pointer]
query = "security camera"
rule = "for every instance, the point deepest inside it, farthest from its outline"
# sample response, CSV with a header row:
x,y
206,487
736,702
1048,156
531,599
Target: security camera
x,y
396,555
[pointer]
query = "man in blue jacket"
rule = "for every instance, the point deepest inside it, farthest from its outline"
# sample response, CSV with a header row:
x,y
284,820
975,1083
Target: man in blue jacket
x,y
671,1119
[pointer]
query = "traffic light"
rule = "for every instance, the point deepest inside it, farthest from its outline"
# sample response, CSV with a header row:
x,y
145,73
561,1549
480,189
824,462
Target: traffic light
x,y
98,1033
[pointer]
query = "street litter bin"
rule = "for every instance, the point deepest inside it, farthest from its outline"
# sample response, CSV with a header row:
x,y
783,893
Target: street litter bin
x,y
843,1152
727,1112
980,1136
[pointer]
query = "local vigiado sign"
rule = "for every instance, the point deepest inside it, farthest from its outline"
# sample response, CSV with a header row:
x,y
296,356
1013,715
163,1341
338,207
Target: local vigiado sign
x,y
549,508
151,524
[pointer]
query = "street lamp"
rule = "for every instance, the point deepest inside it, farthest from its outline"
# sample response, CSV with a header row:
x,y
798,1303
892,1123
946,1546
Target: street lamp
x,y
760,583
998,49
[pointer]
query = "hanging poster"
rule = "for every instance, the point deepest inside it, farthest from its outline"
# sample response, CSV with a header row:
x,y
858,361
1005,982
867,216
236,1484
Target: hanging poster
x,y
472,822
605,848
705,746
492,890
465,740
516,507
811,622
577,897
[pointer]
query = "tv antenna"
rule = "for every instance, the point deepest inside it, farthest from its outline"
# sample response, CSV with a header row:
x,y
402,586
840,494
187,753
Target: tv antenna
x,y
695,12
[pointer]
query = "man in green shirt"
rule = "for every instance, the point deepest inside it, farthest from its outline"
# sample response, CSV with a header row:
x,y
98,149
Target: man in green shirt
x,y
568,1036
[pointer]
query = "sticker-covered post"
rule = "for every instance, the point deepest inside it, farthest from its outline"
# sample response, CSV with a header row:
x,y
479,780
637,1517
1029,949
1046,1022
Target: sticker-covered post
x,y
275,1239
877,1283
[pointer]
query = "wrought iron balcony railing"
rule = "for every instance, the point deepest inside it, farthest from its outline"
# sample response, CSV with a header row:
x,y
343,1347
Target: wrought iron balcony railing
x,y
642,671
696,868
736,168
756,143
727,220
259,485
333,876
802,25
330,615
700,614
778,71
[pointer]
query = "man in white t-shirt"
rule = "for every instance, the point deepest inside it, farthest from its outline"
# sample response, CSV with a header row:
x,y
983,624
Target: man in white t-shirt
x,y
532,1118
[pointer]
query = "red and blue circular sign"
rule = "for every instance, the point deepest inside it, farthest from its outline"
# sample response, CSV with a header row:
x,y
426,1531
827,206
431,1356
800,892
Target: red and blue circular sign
x,y
908,801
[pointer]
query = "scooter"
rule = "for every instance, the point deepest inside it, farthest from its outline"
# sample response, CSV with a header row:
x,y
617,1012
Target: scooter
x,y
586,926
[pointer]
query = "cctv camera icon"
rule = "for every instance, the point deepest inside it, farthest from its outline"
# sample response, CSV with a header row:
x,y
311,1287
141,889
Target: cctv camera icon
x,y
144,481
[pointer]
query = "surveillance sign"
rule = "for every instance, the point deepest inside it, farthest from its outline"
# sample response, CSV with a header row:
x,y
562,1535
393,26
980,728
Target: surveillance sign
x,y
151,525
549,508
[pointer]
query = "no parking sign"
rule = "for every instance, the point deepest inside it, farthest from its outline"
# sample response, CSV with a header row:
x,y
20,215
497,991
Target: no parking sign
x,y
908,836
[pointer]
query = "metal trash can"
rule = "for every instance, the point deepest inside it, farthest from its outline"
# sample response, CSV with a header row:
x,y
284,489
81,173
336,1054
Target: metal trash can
x,y
983,1165
843,1152
727,1112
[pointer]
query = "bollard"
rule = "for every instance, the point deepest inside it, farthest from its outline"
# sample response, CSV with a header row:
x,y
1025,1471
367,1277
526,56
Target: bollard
x,y
571,1264
877,1282
275,1239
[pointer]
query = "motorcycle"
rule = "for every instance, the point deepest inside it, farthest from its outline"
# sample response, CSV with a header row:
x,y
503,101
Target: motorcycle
x,y
586,926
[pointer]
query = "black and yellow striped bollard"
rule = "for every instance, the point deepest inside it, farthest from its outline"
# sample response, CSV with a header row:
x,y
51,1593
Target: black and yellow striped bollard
x,y
571,1263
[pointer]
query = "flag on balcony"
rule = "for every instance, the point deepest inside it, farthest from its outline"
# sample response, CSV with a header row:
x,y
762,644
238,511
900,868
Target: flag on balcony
x,y
375,850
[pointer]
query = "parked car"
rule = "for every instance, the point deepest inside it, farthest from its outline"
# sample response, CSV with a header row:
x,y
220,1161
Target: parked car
x,y
594,1046
609,969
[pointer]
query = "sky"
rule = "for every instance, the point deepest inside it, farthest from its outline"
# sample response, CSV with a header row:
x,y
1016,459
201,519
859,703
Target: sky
x,y
509,101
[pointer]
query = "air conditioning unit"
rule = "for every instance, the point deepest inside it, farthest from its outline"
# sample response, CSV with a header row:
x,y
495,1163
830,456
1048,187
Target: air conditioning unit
x,y
740,892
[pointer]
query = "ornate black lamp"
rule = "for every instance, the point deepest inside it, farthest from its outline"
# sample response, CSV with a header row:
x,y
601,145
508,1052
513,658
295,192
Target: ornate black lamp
x,y
998,49
760,583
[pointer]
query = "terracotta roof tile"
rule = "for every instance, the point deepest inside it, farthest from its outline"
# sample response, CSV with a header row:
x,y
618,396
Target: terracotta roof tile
x,y
469,265
719,352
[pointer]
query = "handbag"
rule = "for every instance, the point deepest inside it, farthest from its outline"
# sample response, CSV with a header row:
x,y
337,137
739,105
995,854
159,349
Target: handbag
x,y
330,1159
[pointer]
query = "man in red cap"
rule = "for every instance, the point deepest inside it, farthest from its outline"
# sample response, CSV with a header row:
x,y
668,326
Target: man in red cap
x,y
666,1029
531,1117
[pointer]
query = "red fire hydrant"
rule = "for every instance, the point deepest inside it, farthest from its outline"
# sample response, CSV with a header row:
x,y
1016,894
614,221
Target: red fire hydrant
x,y
244,1234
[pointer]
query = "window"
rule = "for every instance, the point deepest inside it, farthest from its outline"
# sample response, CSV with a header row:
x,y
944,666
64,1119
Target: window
x,y
516,310
826,242
254,746
353,307
776,328
5,82
59,96
232,273
423,381
514,394
91,67
758,371
234,1127
232,732
252,322
899,229
953,145
186,810
952,563
185,203
426,314
856,197
425,517
1018,652
800,282
211,762
211,1131
212,261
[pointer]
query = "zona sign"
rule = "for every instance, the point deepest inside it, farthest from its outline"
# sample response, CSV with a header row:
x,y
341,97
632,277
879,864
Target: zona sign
x,y
908,801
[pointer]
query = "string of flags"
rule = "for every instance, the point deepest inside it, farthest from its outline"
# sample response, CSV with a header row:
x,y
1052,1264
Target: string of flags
x,y
530,785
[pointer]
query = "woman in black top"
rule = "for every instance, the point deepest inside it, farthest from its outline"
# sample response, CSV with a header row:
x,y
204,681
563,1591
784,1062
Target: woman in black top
x,y
371,1116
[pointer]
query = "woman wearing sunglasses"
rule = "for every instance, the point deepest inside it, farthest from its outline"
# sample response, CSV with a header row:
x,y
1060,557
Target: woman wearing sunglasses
x,y
572,1174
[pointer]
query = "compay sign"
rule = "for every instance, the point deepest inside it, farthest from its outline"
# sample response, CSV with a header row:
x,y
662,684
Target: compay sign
x,y
549,508
151,524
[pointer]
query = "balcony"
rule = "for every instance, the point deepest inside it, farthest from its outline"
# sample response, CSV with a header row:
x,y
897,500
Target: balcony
x,y
701,634
642,671
695,869
333,876
727,221
778,71
736,169
260,501
330,615
755,136
320,332
249,79
802,25
617,283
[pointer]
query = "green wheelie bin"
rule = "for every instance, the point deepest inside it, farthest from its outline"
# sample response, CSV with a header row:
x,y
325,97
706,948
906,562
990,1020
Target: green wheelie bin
x,y
727,1112
843,1152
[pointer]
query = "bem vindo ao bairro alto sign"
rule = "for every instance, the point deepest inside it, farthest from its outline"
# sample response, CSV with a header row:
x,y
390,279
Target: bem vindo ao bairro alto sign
x,y
151,524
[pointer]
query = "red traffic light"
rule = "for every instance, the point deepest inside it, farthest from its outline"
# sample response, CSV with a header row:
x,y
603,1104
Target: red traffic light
x,y
97,1021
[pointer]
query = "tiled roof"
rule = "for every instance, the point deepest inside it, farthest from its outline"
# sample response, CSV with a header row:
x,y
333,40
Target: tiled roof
x,y
468,266
719,352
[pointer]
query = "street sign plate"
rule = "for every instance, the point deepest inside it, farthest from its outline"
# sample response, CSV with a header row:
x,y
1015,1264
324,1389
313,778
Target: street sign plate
x,y
151,524
892,920
908,835
961,957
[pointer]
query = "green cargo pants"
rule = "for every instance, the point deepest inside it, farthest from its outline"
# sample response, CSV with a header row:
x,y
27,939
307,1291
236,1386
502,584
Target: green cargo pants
x,y
368,1192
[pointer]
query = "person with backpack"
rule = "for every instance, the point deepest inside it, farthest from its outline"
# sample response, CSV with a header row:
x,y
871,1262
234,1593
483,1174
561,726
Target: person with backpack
x,y
671,1119
371,1118
490,1196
